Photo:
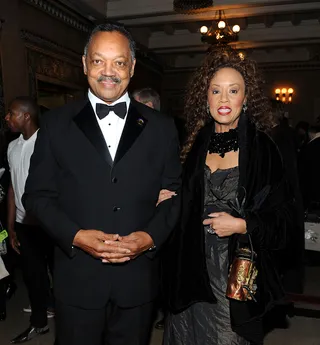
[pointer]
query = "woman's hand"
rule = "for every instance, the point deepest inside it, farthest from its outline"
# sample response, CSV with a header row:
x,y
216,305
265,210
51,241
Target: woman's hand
x,y
164,195
225,225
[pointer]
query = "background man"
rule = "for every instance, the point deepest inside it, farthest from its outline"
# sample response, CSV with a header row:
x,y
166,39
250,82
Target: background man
x,y
309,171
94,182
292,259
26,237
148,97
151,98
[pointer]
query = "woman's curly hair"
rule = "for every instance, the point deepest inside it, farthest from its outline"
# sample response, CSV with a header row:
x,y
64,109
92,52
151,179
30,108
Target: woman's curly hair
x,y
195,109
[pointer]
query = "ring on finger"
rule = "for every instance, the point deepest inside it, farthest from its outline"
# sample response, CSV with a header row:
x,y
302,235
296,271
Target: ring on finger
x,y
211,230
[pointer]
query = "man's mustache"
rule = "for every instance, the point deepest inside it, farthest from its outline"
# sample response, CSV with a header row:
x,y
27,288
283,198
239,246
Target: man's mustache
x,y
105,78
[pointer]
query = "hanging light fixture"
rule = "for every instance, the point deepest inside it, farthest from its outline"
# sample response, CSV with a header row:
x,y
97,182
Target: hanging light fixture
x,y
219,32
187,6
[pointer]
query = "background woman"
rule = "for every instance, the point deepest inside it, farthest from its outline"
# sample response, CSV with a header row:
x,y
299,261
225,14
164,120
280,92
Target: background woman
x,y
233,186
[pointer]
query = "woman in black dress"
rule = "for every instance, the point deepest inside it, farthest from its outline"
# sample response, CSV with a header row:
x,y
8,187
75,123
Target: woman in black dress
x,y
233,186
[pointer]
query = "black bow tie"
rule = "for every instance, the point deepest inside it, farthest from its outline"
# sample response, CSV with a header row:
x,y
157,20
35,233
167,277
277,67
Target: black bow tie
x,y
119,109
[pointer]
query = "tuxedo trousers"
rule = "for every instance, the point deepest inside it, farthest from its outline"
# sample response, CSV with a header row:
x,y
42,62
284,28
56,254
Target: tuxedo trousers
x,y
36,251
111,325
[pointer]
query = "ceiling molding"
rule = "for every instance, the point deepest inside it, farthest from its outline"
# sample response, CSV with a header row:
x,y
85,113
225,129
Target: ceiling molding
x,y
256,35
168,39
42,42
309,65
264,67
62,14
93,10
143,18
127,9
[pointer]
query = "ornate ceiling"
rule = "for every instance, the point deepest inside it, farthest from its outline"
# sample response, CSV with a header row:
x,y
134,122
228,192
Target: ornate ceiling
x,y
272,31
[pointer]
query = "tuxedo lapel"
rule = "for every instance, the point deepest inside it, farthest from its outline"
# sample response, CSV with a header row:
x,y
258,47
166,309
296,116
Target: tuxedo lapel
x,y
134,126
87,123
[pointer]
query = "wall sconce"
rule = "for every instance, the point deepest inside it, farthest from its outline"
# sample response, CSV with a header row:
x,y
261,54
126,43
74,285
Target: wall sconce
x,y
284,95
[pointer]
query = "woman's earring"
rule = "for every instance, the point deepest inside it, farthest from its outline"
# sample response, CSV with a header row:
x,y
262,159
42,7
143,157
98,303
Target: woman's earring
x,y
208,109
244,107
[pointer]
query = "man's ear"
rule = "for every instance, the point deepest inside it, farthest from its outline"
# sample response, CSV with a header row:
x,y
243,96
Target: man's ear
x,y
132,68
150,104
84,63
27,116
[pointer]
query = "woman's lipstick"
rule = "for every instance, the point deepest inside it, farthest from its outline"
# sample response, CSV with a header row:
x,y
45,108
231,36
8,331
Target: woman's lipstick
x,y
224,110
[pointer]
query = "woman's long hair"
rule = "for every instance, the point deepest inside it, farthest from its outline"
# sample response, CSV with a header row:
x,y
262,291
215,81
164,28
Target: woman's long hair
x,y
195,109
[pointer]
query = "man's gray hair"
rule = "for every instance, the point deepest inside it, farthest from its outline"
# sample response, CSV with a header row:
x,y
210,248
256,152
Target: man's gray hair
x,y
315,129
146,95
111,27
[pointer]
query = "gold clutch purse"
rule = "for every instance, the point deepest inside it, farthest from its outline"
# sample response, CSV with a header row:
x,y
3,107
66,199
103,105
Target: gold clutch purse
x,y
242,275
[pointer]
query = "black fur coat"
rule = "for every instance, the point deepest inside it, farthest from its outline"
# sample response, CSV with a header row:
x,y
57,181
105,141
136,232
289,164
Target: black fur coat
x,y
267,207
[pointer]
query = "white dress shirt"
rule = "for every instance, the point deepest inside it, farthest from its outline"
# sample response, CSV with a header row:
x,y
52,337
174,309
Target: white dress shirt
x,y
19,154
112,125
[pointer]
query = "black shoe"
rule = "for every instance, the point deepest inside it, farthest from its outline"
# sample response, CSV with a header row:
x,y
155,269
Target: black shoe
x,y
159,324
3,315
11,289
29,334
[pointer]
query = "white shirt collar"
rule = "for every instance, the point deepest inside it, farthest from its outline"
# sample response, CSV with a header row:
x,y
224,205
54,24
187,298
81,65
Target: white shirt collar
x,y
94,100
31,139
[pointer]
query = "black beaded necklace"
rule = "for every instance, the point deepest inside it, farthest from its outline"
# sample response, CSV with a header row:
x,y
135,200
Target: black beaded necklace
x,y
222,143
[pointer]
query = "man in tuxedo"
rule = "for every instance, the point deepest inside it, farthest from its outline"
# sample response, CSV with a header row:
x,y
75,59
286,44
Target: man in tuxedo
x,y
94,181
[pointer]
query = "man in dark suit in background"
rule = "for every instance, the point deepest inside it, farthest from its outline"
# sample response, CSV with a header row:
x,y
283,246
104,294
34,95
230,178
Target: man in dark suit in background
x,y
151,98
292,259
94,181
309,171
148,97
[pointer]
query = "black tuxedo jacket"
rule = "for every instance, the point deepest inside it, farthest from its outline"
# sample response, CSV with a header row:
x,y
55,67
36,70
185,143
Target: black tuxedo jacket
x,y
309,172
74,184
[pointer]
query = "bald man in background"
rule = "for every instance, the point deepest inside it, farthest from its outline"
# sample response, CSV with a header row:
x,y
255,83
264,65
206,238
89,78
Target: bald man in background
x,y
26,236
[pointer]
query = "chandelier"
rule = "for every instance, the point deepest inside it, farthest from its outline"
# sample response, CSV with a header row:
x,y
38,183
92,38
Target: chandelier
x,y
184,6
219,32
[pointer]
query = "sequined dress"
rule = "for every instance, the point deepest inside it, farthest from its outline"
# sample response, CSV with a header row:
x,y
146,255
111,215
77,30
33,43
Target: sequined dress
x,y
204,323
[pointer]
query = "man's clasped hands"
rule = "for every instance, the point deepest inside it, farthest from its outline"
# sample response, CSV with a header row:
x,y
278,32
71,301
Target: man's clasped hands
x,y
113,248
